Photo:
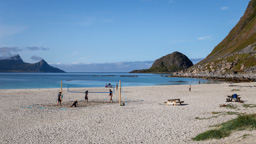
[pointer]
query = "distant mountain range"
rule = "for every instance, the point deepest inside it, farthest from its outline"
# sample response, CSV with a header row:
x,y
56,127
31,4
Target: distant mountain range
x,y
173,62
16,64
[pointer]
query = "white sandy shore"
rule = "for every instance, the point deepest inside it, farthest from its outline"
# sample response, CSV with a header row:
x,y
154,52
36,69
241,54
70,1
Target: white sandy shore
x,y
30,115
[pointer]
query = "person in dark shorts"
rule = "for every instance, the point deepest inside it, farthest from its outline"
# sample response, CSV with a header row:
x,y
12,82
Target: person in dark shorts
x,y
74,103
59,99
110,95
86,96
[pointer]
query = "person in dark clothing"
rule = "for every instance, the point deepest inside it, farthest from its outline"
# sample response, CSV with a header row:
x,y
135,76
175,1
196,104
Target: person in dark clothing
x,y
59,99
86,96
110,94
74,103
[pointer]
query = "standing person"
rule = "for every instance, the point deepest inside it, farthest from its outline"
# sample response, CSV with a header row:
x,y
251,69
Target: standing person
x,y
86,96
110,94
116,86
59,99
189,88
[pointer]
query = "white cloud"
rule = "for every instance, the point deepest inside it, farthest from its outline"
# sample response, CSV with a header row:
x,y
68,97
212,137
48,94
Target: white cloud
x,y
6,52
204,38
224,8
36,58
33,48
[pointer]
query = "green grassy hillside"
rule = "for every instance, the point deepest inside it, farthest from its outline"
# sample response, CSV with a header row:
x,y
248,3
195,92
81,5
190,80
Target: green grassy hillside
x,y
238,48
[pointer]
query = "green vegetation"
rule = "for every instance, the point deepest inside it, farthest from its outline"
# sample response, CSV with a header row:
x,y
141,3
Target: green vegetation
x,y
211,134
235,90
241,36
249,105
216,112
231,106
247,60
245,135
242,44
232,113
198,118
220,113
240,123
158,69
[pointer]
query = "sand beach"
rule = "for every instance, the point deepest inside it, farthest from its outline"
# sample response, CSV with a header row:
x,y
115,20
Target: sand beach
x,y
31,115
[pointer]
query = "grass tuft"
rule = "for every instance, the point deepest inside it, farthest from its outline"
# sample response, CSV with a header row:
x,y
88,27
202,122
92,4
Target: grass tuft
x,y
242,122
235,90
246,135
211,134
232,113
249,105
231,106
198,118
216,112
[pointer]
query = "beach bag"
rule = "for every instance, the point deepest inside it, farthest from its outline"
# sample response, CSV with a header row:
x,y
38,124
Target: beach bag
x,y
234,96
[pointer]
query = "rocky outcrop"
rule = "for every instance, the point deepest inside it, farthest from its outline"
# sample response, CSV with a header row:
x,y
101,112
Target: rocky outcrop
x,y
16,64
169,63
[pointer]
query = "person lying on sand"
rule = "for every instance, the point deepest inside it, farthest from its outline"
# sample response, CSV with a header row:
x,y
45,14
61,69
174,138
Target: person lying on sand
x,y
74,103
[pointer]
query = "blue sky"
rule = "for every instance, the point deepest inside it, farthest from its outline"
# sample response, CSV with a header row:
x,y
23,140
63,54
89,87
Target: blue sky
x,y
89,32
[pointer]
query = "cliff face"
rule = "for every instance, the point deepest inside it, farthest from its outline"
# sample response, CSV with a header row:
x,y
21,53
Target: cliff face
x,y
169,63
236,54
16,64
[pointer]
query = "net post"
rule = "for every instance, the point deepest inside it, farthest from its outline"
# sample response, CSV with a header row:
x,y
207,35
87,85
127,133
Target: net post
x,y
119,93
61,87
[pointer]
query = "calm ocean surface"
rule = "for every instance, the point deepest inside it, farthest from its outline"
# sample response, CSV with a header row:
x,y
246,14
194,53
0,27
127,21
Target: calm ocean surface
x,y
96,79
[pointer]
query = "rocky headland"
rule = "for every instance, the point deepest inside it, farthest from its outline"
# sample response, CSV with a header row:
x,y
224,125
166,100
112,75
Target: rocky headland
x,y
173,62
235,57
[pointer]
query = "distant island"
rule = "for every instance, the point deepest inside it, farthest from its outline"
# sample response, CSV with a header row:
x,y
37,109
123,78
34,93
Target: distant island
x,y
173,62
16,64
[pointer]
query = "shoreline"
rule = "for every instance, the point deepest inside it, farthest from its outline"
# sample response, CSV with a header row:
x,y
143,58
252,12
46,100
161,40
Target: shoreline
x,y
31,115
237,78
223,77
219,78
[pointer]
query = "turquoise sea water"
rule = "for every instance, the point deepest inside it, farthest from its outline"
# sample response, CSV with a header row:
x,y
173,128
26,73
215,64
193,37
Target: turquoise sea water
x,y
52,80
